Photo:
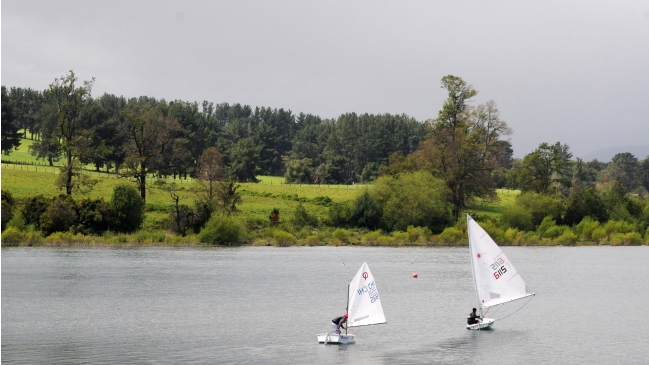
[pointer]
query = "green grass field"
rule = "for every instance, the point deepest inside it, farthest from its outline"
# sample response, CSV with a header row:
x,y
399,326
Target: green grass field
x,y
258,199
506,198
22,155
32,177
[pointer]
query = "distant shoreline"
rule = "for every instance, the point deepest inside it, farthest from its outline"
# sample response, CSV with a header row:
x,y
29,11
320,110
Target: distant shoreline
x,y
97,243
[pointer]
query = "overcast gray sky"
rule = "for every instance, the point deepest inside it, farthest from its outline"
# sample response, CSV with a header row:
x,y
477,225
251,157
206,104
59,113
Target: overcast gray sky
x,y
569,71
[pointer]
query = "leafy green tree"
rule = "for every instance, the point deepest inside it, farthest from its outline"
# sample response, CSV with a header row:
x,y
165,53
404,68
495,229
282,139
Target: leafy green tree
x,y
584,202
353,147
548,166
517,216
221,230
579,175
128,207
310,137
541,206
644,173
209,125
340,214
81,184
366,212
108,131
60,215
273,131
25,104
201,214
48,147
10,136
178,159
189,140
465,145
7,207
624,168
244,160
412,199
587,172
504,163
619,205
101,124
69,100
227,197
398,163
94,216
370,172
148,135
302,218
299,171
32,209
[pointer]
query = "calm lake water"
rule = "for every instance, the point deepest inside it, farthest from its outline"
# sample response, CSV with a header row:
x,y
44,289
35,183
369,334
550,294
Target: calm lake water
x,y
266,305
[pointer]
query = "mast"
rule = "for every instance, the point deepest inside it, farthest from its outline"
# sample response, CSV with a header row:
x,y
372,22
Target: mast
x,y
347,309
475,283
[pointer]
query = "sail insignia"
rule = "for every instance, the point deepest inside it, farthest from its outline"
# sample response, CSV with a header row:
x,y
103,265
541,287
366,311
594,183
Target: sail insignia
x,y
364,302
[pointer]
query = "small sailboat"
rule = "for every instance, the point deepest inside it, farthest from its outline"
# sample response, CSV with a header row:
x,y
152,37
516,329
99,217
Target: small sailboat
x,y
363,307
496,280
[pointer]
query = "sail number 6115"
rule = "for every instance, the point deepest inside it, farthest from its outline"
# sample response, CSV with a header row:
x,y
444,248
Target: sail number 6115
x,y
500,272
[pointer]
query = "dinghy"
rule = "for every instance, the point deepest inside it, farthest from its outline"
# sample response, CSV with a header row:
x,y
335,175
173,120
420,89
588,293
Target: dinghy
x,y
363,307
496,280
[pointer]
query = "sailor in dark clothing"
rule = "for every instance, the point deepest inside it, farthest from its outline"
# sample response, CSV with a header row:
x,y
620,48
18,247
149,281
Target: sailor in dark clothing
x,y
337,323
473,318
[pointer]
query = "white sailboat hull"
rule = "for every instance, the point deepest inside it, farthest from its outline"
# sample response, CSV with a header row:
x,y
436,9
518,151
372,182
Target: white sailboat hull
x,y
332,338
486,323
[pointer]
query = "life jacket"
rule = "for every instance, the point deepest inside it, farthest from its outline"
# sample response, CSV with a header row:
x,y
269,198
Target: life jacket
x,y
337,320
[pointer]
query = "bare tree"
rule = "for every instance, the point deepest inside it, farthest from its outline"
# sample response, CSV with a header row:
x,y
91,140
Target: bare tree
x,y
210,170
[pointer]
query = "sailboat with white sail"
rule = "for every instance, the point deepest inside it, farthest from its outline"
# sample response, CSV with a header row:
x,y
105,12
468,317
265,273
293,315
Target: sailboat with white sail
x,y
496,280
363,307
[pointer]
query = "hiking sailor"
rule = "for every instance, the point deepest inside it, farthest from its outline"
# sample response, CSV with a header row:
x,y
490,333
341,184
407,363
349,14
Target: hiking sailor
x,y
337,323
473,318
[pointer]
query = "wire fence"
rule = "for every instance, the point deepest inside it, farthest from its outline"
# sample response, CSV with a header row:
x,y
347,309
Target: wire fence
x,y
35,167
38,166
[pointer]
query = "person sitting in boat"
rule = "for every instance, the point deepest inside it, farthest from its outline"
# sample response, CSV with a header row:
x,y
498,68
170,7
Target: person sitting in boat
x,y
473,318
337,323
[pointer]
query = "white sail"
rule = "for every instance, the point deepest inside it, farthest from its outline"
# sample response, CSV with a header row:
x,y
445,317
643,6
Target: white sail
x,y
364,302
496,279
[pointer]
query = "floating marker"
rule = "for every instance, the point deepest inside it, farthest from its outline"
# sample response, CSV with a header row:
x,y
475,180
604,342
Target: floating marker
x,y
415,275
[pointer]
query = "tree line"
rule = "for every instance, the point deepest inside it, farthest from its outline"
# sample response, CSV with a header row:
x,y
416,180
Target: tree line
x,y
145,136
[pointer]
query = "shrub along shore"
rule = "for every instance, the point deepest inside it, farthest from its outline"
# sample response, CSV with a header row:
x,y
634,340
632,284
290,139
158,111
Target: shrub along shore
x,y
275,214
309,236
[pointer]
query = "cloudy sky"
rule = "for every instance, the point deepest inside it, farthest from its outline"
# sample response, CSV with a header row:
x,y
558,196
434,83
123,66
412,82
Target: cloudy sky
x,y
569,71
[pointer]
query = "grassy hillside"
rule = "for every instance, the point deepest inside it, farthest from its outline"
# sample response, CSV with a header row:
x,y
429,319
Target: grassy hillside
x,y
258,199
22,155
36,177
505,199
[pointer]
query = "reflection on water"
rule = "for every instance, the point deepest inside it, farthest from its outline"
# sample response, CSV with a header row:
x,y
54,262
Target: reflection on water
x,y
266,305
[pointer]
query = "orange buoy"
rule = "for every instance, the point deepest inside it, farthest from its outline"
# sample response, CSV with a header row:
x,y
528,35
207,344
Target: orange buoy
x,y
415,275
